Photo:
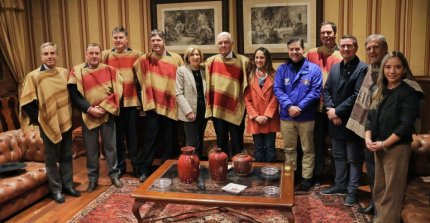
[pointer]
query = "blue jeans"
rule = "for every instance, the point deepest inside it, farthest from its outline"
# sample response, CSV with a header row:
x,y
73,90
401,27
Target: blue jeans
x,y
264,147
348,161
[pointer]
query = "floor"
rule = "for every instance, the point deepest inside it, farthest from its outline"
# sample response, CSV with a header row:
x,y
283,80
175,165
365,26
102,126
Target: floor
x,y
46,210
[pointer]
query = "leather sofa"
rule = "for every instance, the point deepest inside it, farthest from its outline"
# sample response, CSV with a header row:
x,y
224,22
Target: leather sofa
x,y
416,208
22,187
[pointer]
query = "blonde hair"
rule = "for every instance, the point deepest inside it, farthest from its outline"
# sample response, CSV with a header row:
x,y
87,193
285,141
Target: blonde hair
x,y
189,51
382,82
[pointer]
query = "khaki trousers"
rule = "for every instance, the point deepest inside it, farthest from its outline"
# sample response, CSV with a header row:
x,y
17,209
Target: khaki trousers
x,y
305,131
391,171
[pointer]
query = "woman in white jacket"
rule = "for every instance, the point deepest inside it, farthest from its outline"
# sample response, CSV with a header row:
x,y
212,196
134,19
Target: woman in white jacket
x,y
191,97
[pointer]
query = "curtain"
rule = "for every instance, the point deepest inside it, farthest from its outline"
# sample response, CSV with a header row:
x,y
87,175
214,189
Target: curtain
x,y
12,43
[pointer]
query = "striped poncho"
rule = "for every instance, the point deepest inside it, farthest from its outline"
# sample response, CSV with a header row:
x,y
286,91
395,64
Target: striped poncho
x,y
157,78
325,59
124,64
100,87
226,81
49,89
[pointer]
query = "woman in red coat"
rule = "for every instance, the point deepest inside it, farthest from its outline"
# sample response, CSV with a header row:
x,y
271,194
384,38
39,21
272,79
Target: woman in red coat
x,y
262,106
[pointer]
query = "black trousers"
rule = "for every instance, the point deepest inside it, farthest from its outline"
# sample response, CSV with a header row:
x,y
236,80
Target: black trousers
x,y
126,138
62,153
155,124
223,129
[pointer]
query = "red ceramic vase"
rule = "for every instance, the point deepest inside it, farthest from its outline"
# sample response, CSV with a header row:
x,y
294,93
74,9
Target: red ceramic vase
x,y
218,165
188,165
242,164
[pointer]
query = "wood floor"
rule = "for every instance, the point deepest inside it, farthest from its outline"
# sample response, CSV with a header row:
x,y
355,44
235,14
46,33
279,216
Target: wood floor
x,y
46,210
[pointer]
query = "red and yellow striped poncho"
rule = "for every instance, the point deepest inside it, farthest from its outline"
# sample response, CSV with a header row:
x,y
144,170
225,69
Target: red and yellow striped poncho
x,y
226,80
325,60
49,88
157,78
123,62
100,87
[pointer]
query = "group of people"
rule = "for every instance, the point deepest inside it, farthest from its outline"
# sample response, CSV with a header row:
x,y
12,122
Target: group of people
x,y
369,111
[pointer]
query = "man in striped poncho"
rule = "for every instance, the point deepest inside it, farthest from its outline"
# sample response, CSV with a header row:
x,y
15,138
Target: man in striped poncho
x,y
122,58
96,89
156,72
226,80
45,101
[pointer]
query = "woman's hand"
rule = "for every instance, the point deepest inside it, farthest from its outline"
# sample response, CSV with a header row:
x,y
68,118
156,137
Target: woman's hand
x,y
262,120
191,116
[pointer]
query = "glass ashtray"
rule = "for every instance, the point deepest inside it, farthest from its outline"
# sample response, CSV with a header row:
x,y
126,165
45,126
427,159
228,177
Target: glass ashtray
x,y
269,170
162,183
271,190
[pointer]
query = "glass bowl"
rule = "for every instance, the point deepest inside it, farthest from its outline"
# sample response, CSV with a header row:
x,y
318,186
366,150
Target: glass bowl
x,y
269,170
271,190
162,183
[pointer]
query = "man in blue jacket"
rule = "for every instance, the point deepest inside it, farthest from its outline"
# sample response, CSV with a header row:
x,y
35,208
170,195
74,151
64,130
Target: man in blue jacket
x,y
340,93
298,88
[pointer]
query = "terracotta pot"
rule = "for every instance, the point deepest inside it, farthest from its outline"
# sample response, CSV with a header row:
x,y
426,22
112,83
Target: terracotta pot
x,y
218,164
242,164
188,165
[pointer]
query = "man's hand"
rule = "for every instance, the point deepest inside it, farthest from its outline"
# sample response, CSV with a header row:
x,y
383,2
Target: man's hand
x,y
294,111
331,113
337,121
96,111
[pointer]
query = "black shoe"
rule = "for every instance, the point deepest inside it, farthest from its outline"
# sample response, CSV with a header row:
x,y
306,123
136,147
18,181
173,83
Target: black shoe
x,y
351,199
306,185
92,186
58,197
367,210
333,191
317,181
116,182
71,191
142,178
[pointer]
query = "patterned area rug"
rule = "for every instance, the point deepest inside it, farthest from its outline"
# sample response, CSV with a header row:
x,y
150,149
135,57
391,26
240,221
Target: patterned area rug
x,y
115,204
314,207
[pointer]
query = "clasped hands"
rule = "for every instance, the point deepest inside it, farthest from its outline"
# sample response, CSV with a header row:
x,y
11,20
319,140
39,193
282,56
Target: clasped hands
x,y
331,113
96,111
374,146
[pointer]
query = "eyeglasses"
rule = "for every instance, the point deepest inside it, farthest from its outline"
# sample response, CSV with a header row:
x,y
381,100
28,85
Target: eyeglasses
x,y
348,46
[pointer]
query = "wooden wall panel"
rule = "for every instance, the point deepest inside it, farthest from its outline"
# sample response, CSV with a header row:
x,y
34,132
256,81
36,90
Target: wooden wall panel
x,y
134,25
71,24
418,38
360,23
76,42
93,23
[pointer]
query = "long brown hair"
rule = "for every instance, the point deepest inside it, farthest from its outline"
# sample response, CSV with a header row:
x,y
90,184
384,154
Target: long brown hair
x,y
268,67
382,82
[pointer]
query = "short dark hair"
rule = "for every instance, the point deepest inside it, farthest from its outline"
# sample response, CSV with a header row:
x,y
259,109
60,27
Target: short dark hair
x,y
354,39
333,26
120,29
92,45
296,39
157,32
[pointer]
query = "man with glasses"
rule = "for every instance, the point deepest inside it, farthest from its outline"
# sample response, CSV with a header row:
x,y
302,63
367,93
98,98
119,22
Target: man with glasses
x,y
340,93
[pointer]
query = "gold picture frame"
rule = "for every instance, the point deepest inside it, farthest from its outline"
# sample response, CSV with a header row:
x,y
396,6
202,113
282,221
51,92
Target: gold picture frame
x,y
271,23
188,23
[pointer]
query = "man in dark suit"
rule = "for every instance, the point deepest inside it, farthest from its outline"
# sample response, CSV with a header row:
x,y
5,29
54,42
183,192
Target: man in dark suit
x,y
340,93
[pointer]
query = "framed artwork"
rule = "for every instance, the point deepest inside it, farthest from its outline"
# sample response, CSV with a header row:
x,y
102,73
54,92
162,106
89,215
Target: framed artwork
x,y
272,23
188,23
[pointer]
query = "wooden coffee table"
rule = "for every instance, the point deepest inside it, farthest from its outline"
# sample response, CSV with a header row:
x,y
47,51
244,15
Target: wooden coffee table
x,y
208,192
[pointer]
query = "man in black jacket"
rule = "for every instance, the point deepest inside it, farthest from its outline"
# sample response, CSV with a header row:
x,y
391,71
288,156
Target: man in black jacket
x,y
340,93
